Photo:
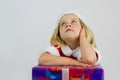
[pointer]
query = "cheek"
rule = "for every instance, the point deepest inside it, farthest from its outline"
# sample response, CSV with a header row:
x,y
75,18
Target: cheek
x,y
61,33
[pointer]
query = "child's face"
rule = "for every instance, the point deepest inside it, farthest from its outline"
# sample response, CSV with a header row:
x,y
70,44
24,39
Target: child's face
x,y
69,27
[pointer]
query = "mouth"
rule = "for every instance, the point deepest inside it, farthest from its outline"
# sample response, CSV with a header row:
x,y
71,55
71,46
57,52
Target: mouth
x,y
68,30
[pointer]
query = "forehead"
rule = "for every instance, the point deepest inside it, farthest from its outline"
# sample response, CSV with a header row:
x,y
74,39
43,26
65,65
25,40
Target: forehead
x,y
69,16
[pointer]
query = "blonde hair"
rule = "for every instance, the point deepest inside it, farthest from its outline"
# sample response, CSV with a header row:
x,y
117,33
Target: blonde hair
x,y
56,39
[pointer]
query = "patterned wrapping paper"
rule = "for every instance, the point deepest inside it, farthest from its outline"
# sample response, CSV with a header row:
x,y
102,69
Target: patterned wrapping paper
x,y
67,73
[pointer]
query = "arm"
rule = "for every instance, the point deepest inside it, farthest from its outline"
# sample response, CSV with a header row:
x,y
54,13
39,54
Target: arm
x,y
49,59
87,52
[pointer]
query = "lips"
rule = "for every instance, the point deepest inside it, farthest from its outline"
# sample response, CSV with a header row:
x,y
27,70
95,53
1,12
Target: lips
x,y
68,30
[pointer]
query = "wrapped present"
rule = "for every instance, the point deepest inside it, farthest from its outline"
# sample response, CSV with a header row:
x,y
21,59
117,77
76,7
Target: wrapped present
x,y
67,73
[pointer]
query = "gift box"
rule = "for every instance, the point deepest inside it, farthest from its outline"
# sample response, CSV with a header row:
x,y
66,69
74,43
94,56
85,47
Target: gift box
x,y
67,73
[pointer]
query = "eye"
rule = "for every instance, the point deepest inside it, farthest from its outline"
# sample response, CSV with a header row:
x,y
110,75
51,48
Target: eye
x,y
73,22
63,24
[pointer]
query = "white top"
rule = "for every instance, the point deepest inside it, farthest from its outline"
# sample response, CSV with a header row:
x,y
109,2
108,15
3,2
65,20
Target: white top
x,y
68,52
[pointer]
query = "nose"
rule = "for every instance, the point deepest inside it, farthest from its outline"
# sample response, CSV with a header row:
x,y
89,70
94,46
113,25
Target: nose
x,y
68,25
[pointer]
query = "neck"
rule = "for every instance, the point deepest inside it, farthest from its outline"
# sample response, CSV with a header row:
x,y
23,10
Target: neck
x,y
72,44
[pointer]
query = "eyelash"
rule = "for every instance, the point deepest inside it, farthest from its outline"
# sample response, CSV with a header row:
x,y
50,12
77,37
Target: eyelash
x,y
73,21
62,24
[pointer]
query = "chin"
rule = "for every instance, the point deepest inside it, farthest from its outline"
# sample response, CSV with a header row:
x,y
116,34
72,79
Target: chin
x,y
69,37
72,38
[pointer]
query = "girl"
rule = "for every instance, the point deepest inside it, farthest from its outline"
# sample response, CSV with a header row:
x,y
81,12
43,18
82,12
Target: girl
x,y
72,43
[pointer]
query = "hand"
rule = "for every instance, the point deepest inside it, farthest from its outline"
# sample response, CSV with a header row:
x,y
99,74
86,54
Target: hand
x,y
84,65
82,33
77,63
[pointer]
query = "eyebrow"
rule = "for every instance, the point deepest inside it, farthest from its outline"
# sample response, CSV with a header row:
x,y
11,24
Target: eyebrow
x,y
75,19
71,19
62,21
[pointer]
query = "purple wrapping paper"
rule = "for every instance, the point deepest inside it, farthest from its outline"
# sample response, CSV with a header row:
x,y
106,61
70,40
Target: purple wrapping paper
x,y
67,73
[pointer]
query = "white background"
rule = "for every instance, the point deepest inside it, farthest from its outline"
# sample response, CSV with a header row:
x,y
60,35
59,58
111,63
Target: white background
x,y
26,27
